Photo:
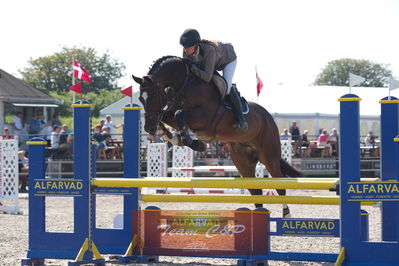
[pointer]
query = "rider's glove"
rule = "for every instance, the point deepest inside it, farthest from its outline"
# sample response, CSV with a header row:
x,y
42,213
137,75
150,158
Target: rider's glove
x,y
188,62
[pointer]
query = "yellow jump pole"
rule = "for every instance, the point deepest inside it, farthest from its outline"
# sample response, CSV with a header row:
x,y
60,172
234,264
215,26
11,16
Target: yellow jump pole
x,y
243,183
315,200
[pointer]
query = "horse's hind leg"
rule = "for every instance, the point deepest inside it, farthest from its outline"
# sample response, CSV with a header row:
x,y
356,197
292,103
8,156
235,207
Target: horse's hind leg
x,y
272,162
245,159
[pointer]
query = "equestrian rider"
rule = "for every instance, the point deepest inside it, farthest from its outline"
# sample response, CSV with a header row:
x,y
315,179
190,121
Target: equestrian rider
x,y
210,56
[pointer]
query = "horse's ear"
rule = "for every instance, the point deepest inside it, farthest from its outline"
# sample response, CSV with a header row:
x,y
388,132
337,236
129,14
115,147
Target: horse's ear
x,y
137,79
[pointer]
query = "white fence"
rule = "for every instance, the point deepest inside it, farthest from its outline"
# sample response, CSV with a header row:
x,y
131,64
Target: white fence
x,y
9,176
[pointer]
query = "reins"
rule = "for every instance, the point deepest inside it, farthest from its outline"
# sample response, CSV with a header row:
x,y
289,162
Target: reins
x,y
173,102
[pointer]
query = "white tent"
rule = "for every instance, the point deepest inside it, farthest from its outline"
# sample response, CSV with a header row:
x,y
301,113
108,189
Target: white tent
x,y
115,109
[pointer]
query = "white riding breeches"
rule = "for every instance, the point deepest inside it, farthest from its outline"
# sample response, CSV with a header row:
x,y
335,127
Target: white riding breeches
x,y
228,73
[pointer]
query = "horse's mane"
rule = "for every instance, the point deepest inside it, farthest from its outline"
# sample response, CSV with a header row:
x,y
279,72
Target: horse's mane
x,y
159,62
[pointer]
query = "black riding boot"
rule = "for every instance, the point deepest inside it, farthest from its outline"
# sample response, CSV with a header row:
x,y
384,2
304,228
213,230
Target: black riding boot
x,y
237,109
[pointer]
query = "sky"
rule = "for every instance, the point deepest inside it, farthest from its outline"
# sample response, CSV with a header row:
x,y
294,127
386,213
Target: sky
x,y
289,41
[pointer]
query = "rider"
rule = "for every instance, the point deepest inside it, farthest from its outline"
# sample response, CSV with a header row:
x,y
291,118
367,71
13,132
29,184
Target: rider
x,y
208,56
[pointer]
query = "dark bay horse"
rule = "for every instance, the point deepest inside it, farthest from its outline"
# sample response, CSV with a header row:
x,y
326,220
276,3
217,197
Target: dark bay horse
x,y
172,95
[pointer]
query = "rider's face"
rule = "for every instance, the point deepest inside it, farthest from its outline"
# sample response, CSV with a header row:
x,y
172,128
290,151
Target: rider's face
x,y
190,50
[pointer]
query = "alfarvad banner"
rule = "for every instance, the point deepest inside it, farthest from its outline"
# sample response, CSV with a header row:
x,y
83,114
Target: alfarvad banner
x,y
201,232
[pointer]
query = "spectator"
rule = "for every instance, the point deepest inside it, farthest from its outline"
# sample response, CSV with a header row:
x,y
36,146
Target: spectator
x,y
295,133
102,122
97,136
64,134
68,145
106,133
320,132
17,124
369,140
23,167
46,132
34,126
7,134
55,137
333,140
322,142
304,139
305,143
56,121
285,135
110,147
108,123
40,117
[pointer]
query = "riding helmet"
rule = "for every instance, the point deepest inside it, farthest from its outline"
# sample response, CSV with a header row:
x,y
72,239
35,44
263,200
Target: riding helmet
x,y
190,37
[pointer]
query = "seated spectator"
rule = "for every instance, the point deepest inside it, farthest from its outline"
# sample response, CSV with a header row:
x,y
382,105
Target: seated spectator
x,y
333,140
305,143
64,134
55,137
46,132
285,135
322,143
369,140
97,136
68,145
334,135
304,139
23,167
110,146
7,134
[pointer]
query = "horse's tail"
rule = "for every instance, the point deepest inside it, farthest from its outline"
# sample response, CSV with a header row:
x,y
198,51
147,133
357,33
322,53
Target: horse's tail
x,y
289,170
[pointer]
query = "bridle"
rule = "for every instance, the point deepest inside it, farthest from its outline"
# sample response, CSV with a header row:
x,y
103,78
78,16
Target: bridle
x,y
168,102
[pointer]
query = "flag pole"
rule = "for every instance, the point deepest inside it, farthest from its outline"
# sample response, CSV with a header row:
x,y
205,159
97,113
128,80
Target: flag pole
x,y
73,80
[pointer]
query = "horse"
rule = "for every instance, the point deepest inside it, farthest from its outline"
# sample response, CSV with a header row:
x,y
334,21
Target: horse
x,y
171,95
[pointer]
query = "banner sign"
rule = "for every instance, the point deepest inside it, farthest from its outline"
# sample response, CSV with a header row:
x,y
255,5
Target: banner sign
x,y
68,187
372,191
202,232
306,227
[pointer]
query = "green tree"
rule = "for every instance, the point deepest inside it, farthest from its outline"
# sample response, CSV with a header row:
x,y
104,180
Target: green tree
x,y
54,72
336,73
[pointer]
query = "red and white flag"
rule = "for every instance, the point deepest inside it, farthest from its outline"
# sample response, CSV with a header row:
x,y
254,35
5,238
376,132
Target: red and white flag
x,y
76,88
259,84
80,72
128,91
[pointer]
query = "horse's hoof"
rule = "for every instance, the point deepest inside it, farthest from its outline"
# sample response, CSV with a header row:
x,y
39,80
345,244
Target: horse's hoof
x,y
198,146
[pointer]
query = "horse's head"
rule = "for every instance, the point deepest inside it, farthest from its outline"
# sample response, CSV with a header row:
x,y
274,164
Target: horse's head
x,y
153,98
166,76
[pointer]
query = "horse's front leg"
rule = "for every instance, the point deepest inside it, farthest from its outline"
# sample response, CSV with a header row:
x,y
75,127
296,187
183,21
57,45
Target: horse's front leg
x,y
181,118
